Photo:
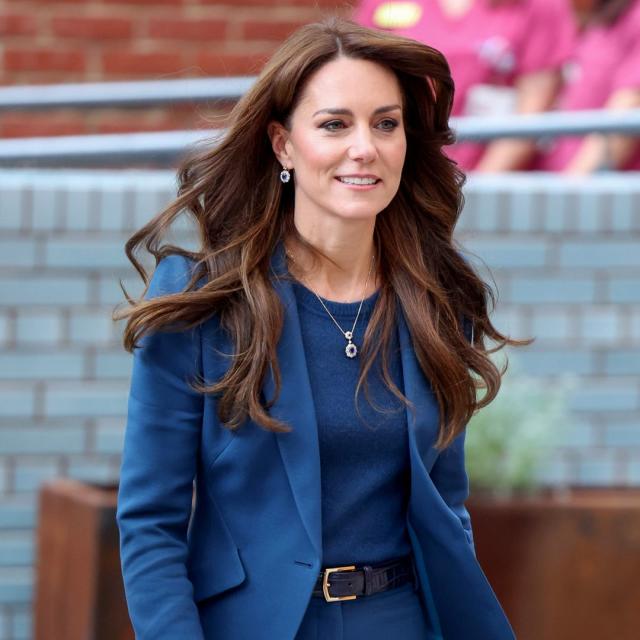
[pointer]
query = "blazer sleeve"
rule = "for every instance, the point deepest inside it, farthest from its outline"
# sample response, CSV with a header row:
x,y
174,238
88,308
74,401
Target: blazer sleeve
x,y
449,473
450,478
157,472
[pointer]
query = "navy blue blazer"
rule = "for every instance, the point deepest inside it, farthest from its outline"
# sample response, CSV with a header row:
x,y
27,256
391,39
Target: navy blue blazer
x,y
239,562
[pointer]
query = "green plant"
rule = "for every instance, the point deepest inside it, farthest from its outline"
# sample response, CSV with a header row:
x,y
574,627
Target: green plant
x,y
507,440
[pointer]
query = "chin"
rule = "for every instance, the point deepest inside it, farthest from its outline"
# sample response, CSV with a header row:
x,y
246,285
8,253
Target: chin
x,y
360,210
358,214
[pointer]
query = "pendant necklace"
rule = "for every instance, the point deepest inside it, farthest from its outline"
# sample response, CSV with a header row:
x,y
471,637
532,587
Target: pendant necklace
x,y
351,350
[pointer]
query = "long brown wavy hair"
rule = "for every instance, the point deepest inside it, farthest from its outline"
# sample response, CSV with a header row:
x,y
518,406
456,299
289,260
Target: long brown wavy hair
x,y
242,211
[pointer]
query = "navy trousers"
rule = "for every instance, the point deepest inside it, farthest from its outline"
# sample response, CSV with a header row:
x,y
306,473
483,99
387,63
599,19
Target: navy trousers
x,y
397,613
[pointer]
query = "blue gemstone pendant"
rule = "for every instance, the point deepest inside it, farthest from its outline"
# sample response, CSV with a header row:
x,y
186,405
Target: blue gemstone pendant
x,y
351,350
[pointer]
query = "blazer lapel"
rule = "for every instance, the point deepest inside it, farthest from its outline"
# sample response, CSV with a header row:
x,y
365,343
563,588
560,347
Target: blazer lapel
x,y
299,447
456,592
423,426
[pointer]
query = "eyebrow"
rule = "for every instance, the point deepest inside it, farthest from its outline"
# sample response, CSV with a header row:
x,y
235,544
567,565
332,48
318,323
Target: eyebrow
x,y
348,112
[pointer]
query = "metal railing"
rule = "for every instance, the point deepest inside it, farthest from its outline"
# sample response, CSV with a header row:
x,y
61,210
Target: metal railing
x,y
167,147
124,94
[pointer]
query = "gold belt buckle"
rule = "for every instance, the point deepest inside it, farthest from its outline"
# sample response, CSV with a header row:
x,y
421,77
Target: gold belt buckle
x,y
325,584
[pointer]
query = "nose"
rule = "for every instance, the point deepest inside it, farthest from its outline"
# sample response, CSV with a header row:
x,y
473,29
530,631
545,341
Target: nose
x,y
362,147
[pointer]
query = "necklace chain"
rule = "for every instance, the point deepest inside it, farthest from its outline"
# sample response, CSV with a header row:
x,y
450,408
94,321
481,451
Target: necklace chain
x,y
351,350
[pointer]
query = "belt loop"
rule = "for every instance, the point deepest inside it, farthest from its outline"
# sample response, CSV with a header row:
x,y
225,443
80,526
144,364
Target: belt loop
x,y
368,579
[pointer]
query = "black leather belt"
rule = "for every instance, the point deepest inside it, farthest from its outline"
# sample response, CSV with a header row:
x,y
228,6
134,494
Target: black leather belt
x,y
335,584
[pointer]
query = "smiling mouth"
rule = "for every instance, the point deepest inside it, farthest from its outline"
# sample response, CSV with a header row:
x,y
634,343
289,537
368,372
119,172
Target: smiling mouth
x,y
358,181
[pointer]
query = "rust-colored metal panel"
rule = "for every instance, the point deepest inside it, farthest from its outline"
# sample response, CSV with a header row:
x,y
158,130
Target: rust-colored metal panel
x,y
564,566
79,592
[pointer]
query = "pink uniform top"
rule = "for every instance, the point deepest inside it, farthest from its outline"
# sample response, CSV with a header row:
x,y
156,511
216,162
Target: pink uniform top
x,y
606,59
488,45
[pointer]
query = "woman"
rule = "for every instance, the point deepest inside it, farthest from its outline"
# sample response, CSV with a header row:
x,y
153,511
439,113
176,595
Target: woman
x,y
325,217
505,56
604,73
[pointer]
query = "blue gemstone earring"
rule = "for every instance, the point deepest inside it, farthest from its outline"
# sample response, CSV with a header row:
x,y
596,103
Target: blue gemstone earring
x,y
285,175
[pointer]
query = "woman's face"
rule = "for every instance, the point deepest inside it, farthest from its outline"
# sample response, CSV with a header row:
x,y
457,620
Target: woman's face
x,y
346,141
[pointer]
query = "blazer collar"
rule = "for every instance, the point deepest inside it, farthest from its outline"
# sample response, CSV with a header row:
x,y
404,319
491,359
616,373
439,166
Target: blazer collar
x,y
294,406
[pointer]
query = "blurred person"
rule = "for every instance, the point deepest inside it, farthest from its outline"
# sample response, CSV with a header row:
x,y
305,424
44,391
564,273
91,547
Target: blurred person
x,y
326,262
505,55
603,73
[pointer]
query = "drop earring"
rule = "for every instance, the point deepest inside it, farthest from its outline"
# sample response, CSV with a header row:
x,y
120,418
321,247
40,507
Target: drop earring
x,y
285,175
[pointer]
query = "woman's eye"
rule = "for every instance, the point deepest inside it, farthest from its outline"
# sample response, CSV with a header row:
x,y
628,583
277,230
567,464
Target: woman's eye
x,y
388,124
333,125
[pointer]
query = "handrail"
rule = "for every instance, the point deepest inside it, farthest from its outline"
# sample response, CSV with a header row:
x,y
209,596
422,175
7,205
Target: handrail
x,y
167,147
162,147
549,124
124,94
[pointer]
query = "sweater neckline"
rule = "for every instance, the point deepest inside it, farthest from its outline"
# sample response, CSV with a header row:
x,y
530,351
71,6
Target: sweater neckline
x,y
309,301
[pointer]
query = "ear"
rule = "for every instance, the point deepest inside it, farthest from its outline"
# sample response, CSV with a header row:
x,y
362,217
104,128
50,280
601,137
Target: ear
x,y
279,137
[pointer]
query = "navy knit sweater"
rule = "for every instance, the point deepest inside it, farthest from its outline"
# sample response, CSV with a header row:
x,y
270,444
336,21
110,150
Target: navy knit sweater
x,y
365,467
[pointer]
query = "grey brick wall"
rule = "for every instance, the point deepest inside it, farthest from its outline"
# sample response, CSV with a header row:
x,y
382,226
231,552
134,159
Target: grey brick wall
x,y
565,255
63,373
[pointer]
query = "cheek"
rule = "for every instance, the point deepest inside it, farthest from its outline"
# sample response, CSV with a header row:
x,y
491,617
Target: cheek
x,y
315,153
396,156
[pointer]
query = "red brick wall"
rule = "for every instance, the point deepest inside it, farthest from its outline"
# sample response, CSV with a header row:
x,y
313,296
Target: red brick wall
x,y
51,41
